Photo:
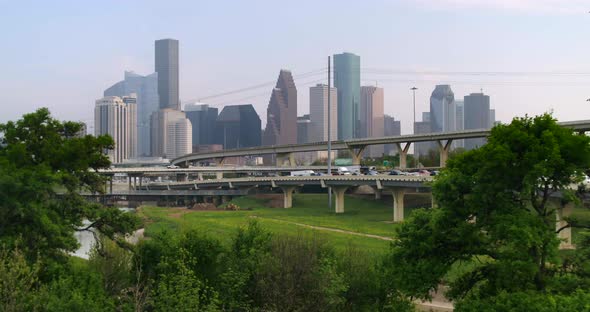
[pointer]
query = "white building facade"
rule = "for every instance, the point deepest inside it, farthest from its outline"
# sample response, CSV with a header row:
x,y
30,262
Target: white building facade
x,y
171,134
117,117
318,113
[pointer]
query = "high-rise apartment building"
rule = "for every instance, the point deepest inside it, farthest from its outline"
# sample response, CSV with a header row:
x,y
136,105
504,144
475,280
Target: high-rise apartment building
x,y
117,117
318,113
442,109
171,134
202,118
391,127
347,80
281,114
146,89
238,126
477,116
371,117
168,76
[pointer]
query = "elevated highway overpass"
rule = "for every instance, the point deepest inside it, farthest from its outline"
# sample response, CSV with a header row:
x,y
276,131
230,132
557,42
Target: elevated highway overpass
x,y
397,185
285,153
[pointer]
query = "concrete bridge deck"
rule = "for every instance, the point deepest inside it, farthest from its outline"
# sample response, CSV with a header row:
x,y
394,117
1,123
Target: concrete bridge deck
x,y
397,185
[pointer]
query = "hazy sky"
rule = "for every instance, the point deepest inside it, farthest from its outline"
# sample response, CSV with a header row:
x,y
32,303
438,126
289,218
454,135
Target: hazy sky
x,y
63,54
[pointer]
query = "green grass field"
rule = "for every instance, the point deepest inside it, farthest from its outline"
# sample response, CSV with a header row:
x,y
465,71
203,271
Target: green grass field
x,y
362,216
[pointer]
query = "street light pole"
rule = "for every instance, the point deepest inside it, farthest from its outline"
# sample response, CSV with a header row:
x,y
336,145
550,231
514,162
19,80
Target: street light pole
x,y
414,124
329,131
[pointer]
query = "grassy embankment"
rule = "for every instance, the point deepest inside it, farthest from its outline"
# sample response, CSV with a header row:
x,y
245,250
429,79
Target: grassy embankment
x,y
361,217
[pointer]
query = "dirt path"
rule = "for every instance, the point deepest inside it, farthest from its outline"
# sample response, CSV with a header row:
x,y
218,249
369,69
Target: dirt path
x,y
322,228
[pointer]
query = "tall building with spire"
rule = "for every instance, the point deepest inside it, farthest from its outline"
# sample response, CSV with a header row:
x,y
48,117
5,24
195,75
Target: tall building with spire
x,y
347,80
281,114
166,61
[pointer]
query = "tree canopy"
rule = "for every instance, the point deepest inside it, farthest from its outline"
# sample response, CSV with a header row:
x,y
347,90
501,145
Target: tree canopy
x,y
497,212
44,164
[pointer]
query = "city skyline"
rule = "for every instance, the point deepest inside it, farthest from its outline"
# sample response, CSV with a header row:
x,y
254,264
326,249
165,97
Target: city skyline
x,y
43,64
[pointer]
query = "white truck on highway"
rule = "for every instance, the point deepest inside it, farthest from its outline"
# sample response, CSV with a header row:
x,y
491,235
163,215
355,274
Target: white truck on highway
x,y
302,173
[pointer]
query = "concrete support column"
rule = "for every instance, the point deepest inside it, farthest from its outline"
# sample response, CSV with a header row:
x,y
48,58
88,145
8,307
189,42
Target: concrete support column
x,y
140,181
357,154
288,195
377,192
285,159
339,196
134,183
219,175
566,234
216,200
111,185
200,176
129,178
444,151
433,201
398,204
402,150
219,161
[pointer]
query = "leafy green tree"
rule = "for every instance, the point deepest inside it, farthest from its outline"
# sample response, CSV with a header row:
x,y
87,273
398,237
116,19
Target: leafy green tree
x,y
250,246
179,289
44,165
78,288
18,280
494,210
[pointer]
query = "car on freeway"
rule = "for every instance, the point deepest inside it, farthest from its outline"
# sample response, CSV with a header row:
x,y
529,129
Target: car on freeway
x,y
396,172
343,171
372,172
172,167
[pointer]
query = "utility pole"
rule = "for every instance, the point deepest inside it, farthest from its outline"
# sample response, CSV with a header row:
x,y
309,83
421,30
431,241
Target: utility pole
x,y
329,130
414,124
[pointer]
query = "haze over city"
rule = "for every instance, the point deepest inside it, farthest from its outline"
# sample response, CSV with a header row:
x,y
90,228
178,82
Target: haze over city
x,y
523,54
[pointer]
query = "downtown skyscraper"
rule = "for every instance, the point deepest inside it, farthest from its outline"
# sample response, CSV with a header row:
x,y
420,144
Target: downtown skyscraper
x,y
146,89
371,118
166,61
281,114
477,116
318,113
443,113
117,117
238,126
172,134
347,80
203,118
